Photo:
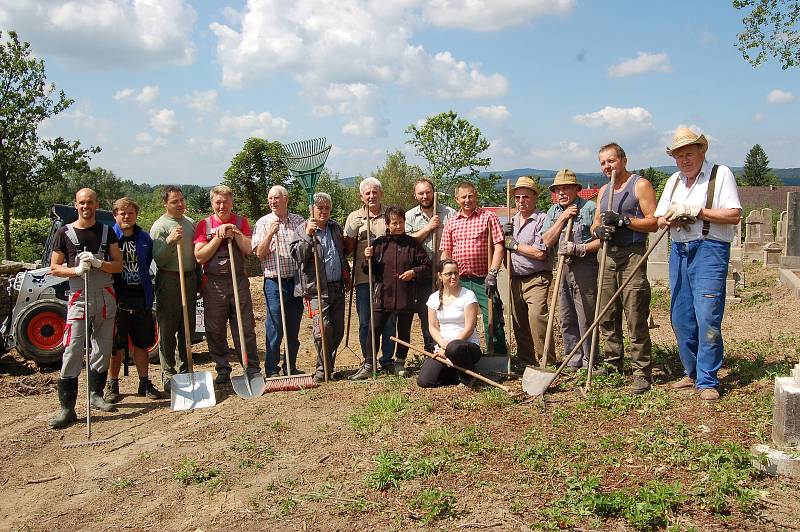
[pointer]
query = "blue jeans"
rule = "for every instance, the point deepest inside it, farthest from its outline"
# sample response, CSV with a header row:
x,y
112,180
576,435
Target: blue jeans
x,y
293,313
387,345
697,272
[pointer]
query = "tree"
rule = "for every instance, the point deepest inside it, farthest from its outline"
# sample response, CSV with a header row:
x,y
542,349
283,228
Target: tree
x,y
253,171
450,144
345,199
770,31
756,171
397,178
657,178
28,163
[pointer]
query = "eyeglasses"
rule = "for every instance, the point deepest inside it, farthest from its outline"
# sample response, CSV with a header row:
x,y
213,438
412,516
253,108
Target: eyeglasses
x,y
449,274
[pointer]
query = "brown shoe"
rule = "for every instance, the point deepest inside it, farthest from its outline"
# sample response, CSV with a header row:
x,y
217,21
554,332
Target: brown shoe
x,y
709,395
683,384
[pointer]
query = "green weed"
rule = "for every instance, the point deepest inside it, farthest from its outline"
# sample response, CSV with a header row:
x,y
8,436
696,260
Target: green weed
x,y
190,473
379,412
120,484
434,504
393,467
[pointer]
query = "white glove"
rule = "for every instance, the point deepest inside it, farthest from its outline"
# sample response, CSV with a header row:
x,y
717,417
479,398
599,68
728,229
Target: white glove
x,y
83,267
684,211
88,256
571,248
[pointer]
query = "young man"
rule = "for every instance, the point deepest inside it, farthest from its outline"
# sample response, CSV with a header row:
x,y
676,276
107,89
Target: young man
x,y
134,288
624,228
271,240
578,288
170,229
700,205
86,253
211,250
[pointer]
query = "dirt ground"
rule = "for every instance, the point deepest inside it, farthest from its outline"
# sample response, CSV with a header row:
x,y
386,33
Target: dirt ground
x,y
388,455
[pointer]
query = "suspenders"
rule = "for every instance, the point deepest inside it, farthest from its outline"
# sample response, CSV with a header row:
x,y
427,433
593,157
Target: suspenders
x,y
712,182
73,237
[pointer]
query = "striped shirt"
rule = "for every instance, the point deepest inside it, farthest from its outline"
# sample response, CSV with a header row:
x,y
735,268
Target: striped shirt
x,y
284,235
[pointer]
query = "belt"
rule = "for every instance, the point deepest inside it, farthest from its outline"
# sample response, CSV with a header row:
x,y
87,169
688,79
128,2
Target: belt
x,y
290,278
621,248
534,274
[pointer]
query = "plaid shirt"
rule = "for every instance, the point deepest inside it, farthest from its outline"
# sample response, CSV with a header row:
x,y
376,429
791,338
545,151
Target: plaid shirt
x,y
284,234
464,237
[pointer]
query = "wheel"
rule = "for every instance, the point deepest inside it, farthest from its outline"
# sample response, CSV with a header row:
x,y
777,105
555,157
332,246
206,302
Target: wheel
x,y
39,331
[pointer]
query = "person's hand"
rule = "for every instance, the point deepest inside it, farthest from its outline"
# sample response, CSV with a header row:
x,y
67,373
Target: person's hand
x,y
273,227
604,232
311,226
572,249
684,211
407,275
569,212
510,243
508,229
491,284
434,222
87,256
368,252
176,235
83,267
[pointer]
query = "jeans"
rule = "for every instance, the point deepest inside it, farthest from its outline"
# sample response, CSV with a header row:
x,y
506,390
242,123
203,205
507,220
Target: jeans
x,y
387,345
293,314
697,272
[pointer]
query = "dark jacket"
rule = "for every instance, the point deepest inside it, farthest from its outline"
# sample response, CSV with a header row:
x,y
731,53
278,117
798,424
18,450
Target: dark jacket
x,y
144,256
393,255
305,278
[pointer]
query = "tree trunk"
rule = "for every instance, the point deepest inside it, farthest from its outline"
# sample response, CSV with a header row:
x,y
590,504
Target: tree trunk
x,y
6,204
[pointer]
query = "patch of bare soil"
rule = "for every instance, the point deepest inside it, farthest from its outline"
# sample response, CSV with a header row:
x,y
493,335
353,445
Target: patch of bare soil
x,y
388,455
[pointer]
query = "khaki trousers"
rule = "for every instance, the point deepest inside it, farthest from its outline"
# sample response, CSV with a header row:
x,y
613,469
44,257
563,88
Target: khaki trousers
x,y
529,296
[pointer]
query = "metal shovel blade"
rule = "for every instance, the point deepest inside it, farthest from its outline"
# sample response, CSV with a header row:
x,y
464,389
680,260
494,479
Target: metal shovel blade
x,y
192,390
248,386
536,381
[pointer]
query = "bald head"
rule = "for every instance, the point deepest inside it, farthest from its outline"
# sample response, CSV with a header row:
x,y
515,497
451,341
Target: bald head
x,y
86,205
84,192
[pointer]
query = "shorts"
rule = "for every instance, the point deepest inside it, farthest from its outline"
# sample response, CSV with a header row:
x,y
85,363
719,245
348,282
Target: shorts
x,y
139,325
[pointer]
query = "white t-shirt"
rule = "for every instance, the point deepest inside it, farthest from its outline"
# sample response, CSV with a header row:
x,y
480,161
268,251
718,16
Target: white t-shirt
x,y
451,317
726,196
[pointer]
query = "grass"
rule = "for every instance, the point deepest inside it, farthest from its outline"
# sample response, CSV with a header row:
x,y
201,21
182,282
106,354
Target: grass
x,y
189,472
379,412
394,467
434,504
120,484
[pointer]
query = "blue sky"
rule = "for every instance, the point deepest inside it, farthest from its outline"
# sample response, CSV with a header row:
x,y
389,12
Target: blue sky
x,y
171,88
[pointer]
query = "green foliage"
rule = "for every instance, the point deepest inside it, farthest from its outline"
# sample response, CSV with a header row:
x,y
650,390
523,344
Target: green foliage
x,y
397,178
770,30
379,412
657,178
756,171
393,467
253,171
450,144
189,472
28,236
434,504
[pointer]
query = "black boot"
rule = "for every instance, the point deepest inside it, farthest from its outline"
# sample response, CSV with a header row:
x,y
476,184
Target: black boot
x,y
67,395
146,389
97,381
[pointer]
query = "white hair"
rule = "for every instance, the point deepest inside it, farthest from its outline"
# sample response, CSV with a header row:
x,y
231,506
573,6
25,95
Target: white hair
x,y
280,189
369,182
323,198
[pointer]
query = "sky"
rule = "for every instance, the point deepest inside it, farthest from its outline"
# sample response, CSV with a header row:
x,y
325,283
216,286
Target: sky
x,y
170,89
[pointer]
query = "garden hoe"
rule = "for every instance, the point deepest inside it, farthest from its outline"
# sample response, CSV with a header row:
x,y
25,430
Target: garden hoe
x,y
548,335
536,381
194,389
246,385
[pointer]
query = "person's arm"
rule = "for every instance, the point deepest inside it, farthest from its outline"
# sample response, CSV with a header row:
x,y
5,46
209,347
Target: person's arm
x,y
164,243
647,203
470,321
498,253
58,268
434,329
204,251
446,245
720,216
553,234
422,233
262,239
499,249
115,264
596,220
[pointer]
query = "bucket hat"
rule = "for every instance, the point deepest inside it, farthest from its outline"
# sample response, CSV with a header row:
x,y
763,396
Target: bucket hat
x,y
526,181
686,137
565,177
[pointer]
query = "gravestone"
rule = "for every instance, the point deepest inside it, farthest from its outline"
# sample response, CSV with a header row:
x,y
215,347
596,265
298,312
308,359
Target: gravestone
x,y
791,258
754,239
780,230
658,263
737,235
781,458
766,217
772,255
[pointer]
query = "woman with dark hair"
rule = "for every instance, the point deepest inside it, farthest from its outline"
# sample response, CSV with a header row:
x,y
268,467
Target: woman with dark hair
x,y
452,317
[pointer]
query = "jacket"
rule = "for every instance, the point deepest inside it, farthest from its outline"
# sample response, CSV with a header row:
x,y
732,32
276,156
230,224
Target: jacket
x,y
305,278
144,256
393,255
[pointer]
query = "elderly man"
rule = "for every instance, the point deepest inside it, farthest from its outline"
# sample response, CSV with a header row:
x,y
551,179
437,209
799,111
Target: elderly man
x,y
271,240
327,237
355,232
578,288
422,224
212,251
170,229
465,240
86,252
700,205
532,274
624,227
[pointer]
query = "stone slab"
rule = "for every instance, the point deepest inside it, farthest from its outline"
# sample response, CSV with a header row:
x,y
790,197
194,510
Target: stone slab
x,y
790,262
793,224
775,462
790,279
786,413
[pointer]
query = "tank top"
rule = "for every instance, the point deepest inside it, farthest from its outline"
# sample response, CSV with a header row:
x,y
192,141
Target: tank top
x,y
625,203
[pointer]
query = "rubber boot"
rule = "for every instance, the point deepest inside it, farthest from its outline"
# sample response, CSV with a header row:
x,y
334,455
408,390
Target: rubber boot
x,y
67,395
97,381
146,389
111,394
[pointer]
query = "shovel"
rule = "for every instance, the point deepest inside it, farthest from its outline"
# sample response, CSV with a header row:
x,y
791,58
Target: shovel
x,y
245,385
548,335
536,381
193,389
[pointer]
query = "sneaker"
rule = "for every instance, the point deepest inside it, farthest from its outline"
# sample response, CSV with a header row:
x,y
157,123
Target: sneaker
x,y
683,384
223,377
273,374
400,368
111,393
388,370
640,385
146,389
294,371
319,377
709,395
363,373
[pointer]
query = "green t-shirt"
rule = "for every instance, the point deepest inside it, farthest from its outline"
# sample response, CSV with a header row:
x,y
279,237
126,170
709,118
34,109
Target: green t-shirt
x,y
166,255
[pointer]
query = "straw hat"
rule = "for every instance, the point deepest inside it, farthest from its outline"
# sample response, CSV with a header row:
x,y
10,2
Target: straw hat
x,y
565,177
686,137
526,181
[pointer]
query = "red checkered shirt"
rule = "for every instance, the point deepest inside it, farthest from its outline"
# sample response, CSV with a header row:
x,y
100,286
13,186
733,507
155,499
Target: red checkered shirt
x,y
285,234
464,237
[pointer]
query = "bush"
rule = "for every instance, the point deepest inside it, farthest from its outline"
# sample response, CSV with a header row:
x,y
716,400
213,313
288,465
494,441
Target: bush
x,y
28,236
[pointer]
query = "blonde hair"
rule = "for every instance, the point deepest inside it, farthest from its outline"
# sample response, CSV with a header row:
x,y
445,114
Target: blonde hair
x,y
220,190
123,204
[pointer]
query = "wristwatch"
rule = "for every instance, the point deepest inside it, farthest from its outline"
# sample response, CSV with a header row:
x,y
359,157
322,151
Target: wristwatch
x,y
516,246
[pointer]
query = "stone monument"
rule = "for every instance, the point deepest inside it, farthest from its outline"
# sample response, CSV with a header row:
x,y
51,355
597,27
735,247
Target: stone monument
x,y
782,457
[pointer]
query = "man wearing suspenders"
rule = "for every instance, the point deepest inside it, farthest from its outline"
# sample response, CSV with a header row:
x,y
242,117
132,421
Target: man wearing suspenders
x,y
700,205
86,248
624,227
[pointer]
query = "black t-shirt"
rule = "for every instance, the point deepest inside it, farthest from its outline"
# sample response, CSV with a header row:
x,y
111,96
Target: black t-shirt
x,y
128,283
89,239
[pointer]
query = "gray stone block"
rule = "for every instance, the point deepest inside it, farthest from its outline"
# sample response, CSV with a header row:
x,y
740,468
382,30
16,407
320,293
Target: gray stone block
x,y
786,412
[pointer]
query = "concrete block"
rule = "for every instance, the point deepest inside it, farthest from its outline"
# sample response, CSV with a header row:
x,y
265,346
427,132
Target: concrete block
x,y
790,262
786,413
775,462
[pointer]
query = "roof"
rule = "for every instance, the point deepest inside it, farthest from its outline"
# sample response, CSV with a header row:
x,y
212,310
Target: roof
x,y
759,197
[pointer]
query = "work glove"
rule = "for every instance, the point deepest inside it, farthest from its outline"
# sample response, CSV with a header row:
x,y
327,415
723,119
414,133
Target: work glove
x,y
570,248
614,219
83,267
683,211
491,284
88,256
508,229
510,243
604,232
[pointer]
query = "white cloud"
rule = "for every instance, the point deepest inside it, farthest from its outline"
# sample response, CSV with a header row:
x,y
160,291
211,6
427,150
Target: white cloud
x,y
106,33
144,97
200,101
358,102
491,15
142,150
562,149
643,62
758,117
207,144
494,114
123,94
778,97
163,121
616,118
144,137
262,125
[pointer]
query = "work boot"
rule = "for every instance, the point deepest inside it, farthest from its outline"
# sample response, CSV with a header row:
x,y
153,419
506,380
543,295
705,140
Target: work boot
x,y
319,376
640,385
146,389
223,378
363,373
97,381
685,383
400,367
111,394
67,395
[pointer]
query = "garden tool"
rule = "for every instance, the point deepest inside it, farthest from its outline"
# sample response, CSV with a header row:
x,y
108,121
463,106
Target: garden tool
x,y
548,335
